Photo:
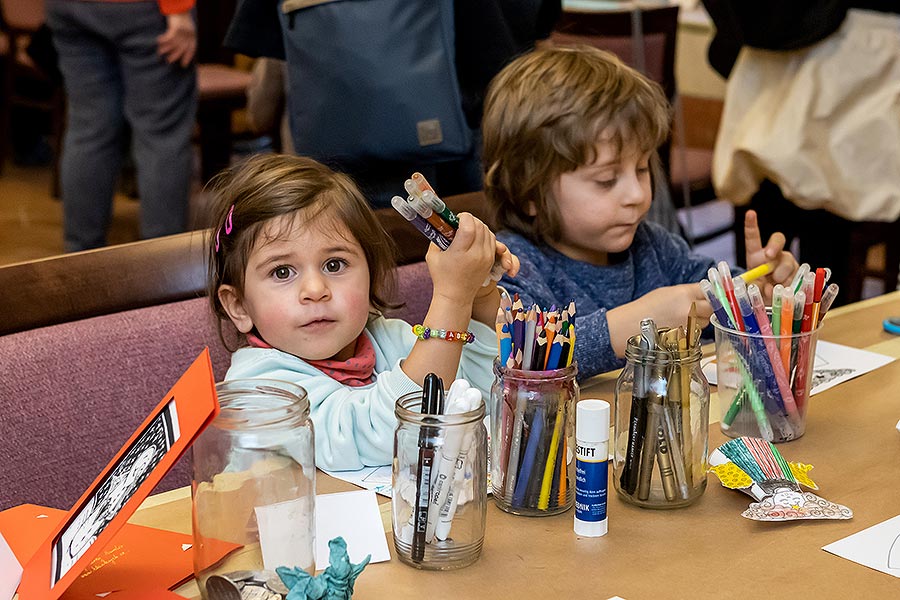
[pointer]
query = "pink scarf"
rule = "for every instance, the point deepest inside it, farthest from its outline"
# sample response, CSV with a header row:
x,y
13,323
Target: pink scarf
x,y
356,371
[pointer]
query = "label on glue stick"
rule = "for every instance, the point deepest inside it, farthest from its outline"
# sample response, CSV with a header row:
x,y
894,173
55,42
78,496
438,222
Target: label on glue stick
x,y
591,478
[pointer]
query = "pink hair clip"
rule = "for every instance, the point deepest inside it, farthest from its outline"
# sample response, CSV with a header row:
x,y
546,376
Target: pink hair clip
x,y
228,225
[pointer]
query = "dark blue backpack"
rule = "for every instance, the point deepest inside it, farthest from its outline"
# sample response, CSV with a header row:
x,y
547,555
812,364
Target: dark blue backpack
x,y
373,80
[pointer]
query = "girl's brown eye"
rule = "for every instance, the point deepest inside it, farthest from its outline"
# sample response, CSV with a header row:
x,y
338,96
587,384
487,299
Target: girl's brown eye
x,y
281,272
334,265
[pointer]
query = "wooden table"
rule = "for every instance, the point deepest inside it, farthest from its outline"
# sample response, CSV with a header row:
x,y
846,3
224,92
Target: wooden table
x,y
704,551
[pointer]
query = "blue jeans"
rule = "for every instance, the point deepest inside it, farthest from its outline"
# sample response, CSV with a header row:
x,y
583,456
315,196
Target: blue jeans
x,y
113,75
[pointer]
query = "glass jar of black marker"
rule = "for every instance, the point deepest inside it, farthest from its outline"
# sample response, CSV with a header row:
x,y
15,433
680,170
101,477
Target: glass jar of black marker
x,y
661,433
439,480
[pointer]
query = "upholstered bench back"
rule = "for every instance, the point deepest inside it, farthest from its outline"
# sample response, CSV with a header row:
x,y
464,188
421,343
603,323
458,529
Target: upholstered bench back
x,y
72,393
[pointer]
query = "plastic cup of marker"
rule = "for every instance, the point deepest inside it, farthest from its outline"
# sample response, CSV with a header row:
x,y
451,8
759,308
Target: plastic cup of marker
x,y
533,440
439,483
764,380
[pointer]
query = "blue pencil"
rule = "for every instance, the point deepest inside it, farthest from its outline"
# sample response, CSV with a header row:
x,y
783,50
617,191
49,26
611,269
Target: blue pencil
x,y
531,448
555,352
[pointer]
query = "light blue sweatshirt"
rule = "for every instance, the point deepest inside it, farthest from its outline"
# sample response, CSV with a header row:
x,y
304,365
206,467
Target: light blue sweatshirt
x,y
354,426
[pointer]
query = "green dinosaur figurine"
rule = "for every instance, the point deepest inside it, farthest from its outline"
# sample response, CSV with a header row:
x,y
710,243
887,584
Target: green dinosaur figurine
x,y
334,583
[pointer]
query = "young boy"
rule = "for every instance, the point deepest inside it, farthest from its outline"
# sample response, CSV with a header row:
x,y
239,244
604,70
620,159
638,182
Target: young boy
x,y
569,136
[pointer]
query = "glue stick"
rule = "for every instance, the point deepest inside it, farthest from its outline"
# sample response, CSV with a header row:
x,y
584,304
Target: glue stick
x,y
591,453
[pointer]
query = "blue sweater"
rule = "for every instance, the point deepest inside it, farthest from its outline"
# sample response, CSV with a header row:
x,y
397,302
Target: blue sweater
x,y
656,258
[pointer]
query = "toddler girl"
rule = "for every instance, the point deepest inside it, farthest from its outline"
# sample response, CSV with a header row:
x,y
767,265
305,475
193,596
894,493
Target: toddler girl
x,y
300,265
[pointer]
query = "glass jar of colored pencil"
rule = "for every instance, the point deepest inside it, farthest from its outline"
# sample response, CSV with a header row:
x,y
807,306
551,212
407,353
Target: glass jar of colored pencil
x,y
661,420
533,439
765,355
439,478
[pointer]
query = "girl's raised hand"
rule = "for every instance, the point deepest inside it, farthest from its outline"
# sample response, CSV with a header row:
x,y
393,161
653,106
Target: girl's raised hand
x,y
460,271
508,260
784,265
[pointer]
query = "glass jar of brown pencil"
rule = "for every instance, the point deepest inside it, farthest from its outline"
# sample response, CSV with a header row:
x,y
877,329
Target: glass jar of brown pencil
x,y
661,422
533,439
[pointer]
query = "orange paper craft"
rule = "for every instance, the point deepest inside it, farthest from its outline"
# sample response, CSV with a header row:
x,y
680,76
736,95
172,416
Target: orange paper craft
x,y
139,558
126,481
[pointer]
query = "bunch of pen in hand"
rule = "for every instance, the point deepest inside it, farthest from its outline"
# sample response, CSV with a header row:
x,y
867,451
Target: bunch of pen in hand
x,y
534,339
424,209
442,461
770,351
667,417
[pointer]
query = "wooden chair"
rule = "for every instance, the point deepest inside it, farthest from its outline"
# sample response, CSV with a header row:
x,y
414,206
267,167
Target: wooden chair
x,y
884,239
645,39
21,19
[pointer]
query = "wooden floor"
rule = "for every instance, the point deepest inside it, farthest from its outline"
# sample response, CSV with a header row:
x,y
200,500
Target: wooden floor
x,y
31,220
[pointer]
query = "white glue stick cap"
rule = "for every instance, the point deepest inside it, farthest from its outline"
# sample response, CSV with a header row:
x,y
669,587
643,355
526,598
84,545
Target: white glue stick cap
x,y
592,421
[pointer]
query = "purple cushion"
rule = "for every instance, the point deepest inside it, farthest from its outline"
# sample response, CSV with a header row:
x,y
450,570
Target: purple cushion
x,y
414,289
73,393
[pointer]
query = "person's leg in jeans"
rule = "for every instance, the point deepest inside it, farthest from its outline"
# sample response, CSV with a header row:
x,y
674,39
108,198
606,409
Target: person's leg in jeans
x,y
92,147
160,105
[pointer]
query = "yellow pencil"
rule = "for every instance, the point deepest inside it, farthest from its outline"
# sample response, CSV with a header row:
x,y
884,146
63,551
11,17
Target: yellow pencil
x,y
544,498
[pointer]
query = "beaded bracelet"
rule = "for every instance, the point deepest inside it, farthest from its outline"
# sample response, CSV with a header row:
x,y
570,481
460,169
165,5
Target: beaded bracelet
x,y
423,333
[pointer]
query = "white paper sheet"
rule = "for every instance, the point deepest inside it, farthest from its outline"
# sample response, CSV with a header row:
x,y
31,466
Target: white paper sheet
x,y
877,547
355,517
283,536
377,479
10,571
834,364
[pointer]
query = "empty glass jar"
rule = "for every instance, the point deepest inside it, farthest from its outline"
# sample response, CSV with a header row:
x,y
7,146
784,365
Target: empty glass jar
x,y
254,485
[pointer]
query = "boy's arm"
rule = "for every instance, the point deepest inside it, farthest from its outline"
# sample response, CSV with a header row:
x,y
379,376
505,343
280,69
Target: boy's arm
x,y
593,349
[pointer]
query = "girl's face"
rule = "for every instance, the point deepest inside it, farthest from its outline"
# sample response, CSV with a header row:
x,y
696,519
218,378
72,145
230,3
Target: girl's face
x,y
601,204
306,292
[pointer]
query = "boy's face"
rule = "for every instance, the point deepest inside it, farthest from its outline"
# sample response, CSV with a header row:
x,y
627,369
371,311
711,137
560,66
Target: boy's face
x,y
306,292
601,204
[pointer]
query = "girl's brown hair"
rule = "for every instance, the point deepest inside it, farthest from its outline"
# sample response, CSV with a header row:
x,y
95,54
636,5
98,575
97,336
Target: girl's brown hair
x,y
544,115
263,187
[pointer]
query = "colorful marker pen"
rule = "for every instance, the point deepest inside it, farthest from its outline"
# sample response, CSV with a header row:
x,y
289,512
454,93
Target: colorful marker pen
x,y
728,286
756,405
787,325
440,208
797,282
427,213
782,375
828,297
817,296
426,228
756,272
716,285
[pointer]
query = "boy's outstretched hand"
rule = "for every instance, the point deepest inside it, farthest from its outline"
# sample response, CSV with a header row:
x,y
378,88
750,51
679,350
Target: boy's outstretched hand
x,y
667,306
784,265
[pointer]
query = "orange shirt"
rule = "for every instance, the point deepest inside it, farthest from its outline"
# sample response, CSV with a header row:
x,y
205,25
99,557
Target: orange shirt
x,y
167,7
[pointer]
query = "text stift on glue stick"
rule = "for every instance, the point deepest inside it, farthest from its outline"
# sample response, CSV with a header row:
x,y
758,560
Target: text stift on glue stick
x,y
591,474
